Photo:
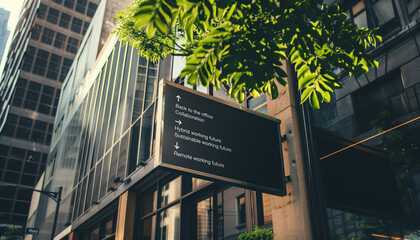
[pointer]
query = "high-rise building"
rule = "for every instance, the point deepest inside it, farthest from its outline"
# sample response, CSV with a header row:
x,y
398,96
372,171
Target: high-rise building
x,y
43,47
4,32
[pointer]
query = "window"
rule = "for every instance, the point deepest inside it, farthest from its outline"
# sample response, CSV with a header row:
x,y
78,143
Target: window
x,y
64,20
29,59
19,93
36,32
240,209
41,62
375,13
69,4
168,218
47,36
170,191
267,208
72,45
32,96
91,9
28,180
258,104
10,126
54,67
65,68
18,153
81,6
24,128
387,97
21,207
413,8
60,40
58,1
85,27
42,11
53,15
76,25
39,132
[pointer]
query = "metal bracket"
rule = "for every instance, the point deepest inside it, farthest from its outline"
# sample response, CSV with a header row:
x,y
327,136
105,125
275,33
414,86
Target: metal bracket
x,y
283,138
287,179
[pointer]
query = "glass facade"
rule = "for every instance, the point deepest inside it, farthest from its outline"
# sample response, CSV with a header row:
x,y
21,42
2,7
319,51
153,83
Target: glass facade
x,y
104,136
30,84
367,138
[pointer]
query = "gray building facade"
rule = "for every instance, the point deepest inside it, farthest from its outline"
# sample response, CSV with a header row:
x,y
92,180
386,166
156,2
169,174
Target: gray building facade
x,y
43,47
367,138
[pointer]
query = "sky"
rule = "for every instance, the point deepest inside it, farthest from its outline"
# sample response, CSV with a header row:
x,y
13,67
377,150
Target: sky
x,y
13,6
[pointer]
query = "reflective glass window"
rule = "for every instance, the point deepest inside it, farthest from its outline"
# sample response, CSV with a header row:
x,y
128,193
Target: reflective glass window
x,y
72,45
81,6
169,223
36,32
170,191
91,9
53,15
42,11
47,36
76,25
69,4
41,62
65,20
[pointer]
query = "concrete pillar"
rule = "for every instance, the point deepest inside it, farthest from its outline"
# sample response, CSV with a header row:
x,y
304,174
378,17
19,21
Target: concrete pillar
x,y
291,218
126,216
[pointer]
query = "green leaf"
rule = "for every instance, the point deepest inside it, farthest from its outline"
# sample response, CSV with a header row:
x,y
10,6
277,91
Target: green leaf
x,y
305,94
325,85
314,100
302,71
281,81
231,10
254,93
142,20
306,81
274,91
204,80
151,30
192,79
189,29
240,97
189,68
160,23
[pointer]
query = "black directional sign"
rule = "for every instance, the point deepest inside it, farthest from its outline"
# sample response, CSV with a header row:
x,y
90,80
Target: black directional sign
x,y
217,140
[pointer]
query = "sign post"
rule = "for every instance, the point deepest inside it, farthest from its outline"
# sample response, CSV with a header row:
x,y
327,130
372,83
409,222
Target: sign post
x,y
214,139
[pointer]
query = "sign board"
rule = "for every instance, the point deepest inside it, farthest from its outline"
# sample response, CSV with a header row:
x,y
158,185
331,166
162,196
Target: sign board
x,y
214,139
32,231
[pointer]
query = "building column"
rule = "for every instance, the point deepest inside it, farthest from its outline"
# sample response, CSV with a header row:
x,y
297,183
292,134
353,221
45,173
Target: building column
x,y
291,219
126,215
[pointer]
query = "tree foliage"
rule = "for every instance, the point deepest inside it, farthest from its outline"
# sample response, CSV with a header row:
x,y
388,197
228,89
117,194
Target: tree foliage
x,y
243,44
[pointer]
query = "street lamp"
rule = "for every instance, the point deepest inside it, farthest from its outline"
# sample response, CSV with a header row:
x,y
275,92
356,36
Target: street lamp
x,y
56,196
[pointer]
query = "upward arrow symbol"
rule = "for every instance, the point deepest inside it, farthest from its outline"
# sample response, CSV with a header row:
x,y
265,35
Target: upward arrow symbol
x,y
178,97
176,145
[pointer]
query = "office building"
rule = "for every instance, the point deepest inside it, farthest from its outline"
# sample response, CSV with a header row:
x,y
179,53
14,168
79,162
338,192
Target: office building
x,y
43,47
4,32
352,164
